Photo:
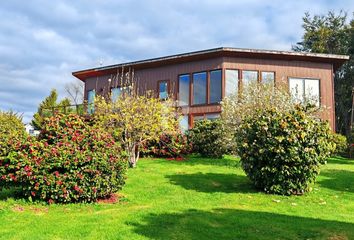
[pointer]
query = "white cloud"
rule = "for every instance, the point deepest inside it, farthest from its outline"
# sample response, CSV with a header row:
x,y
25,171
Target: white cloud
x,y
42,42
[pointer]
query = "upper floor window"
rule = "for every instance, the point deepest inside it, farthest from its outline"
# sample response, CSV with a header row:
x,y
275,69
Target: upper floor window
x,y
305,90
268,77
231,82
183,90
163,89
199,88
249,77
215,86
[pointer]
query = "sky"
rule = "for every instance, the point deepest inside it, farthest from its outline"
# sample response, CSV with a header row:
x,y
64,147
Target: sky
x,y
42,42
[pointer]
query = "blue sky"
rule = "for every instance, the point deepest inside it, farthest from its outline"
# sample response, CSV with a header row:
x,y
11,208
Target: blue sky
x,y
42,42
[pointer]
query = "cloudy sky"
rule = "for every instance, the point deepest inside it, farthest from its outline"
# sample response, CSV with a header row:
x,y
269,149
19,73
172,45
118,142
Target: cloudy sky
x,y
42,42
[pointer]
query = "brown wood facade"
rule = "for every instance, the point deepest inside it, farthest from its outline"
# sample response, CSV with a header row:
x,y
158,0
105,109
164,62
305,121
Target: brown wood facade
x,y
149,78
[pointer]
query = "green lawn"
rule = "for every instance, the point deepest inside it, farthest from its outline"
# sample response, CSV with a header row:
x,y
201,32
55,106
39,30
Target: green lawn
x,y
196,199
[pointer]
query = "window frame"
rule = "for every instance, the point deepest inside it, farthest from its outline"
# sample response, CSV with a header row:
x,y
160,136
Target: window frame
x,y
168,88
209,84
248,70
206,89
192,115
238,80
303,83
189,89
261,77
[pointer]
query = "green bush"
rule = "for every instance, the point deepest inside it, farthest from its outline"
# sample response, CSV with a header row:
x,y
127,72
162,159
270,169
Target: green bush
x,y
70,162
341,144
169,145
207,138
11,130
281,152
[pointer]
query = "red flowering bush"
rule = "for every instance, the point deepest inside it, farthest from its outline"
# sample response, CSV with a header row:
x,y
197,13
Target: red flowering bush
x,y
169,145
71,161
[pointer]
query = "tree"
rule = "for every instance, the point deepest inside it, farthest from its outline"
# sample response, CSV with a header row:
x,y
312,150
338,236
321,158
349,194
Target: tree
x,y
134,120
46,108
75,91
333,34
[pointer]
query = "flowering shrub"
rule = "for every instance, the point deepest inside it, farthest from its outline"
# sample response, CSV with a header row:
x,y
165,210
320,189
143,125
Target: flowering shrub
x,y
281,152
208,138
70,162
341,144
170,145
11,130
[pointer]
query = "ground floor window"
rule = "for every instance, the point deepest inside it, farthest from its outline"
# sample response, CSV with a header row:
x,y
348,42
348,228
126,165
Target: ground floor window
x,y
90,101
184,123
305,90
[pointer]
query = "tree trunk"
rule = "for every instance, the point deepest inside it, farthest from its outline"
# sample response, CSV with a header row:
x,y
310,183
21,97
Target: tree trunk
x,y
132,157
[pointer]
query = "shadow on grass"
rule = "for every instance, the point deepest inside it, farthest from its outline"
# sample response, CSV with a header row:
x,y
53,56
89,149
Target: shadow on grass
x,y
238,224
9,193
212,182
340,160
196,160
339,180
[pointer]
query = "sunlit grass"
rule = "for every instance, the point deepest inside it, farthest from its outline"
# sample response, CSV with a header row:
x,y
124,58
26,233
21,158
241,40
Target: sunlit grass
x,y
196,199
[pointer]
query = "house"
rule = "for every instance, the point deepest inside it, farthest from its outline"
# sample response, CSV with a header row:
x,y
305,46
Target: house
x,y
200,80
30,130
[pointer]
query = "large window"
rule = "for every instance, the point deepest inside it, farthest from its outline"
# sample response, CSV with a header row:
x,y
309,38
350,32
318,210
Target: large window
x,y
231,82
163,89
215,86
91,100
199,88
183,90
305,90
249,77
268,77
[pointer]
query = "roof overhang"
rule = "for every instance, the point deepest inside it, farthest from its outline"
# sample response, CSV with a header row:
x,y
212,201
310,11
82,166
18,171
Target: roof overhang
x,y
336,60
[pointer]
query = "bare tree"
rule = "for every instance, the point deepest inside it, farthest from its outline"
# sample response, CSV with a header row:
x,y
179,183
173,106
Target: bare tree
x,y
75,91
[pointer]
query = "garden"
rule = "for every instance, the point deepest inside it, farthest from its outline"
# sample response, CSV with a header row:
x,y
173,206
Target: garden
x,y
268,168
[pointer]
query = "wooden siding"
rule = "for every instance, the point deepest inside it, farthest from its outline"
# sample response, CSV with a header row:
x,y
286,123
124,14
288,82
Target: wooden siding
x,y
148,78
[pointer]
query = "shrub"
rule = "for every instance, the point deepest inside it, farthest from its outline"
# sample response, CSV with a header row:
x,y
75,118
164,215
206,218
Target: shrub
x,y
11,130
173,144
207,138
70,162
281,152
341,144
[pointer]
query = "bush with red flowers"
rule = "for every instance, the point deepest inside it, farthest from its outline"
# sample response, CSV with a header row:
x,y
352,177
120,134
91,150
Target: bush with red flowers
x,y
170,145
71,161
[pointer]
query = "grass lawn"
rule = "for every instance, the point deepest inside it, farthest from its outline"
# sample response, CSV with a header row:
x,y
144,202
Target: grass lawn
x,y
196,199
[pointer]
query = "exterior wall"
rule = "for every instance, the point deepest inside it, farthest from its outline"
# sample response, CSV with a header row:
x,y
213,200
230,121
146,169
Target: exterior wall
x,y
148,79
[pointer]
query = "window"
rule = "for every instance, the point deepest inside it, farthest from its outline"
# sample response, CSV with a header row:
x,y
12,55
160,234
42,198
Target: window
x,y
231,82
215,86
116,93
305,90
90,100
184,123
268,77
183,90
212,116
199,88
119,91
163,89
249,77
197,118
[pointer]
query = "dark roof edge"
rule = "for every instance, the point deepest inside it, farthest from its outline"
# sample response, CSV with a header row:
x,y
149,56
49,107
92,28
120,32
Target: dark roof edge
x,y
217,50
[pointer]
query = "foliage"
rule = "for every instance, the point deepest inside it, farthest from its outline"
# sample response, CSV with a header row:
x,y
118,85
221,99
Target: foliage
x,y
208,138
46,108
333,34
70,162
11,130
341,144
134,120
281,152
173,144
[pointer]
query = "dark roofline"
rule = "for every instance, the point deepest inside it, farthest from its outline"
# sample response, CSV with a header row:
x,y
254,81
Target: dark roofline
x,y
336,60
